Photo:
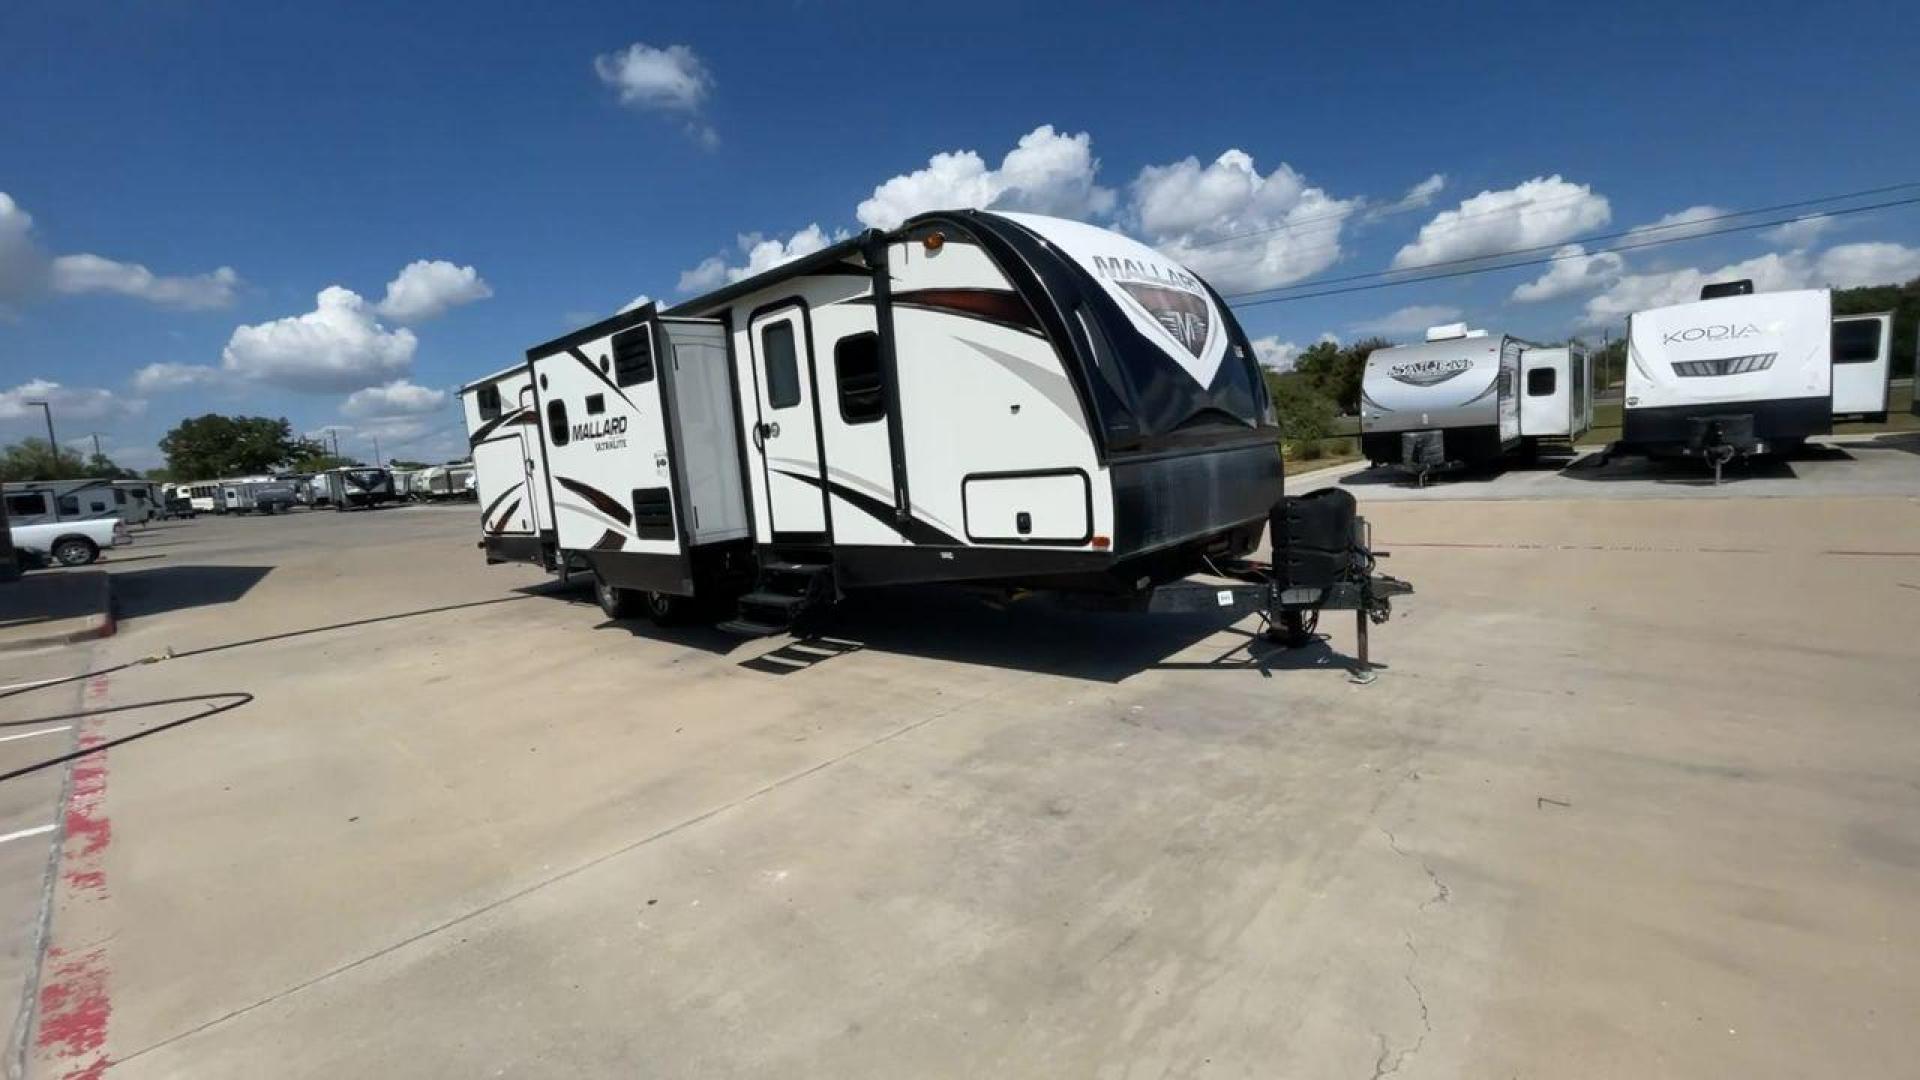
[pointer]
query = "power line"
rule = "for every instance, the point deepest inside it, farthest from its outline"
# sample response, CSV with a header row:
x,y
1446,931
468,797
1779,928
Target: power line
x,y
1643,230
1656,242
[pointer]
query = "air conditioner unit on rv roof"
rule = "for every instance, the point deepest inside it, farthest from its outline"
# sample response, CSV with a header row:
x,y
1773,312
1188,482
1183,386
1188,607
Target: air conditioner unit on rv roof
x,y
1451,331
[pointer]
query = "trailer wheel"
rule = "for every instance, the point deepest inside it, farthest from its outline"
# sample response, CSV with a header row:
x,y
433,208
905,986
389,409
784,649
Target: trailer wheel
x,y
618,603
75,551
667,609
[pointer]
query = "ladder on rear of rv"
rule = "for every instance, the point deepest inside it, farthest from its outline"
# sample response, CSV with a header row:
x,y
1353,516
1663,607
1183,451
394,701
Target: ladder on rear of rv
x,y
782,592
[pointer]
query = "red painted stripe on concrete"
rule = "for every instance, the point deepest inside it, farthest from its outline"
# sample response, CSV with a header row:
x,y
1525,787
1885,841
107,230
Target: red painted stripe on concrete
x,y
75,1006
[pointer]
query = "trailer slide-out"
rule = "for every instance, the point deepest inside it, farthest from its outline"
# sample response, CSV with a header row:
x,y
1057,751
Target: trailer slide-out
x,y
1004,401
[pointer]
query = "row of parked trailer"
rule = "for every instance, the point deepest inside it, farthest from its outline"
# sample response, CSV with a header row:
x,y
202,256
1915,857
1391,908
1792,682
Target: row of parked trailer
x,y
1734,373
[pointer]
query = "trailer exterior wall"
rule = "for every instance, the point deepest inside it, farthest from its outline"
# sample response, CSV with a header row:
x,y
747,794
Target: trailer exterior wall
x,y
510,473
1466,387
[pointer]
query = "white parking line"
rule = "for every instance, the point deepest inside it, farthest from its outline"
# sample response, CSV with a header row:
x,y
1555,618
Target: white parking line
x,y
31,734
24,833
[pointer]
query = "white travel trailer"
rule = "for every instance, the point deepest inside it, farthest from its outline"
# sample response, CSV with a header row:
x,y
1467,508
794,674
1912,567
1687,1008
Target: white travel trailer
x,y
36,502
1004,400
1735,372
351,487
143,501
1862,365
1449,400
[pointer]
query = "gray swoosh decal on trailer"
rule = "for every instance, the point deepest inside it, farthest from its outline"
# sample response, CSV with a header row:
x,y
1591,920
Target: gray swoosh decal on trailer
x,y
862,484
913,530
1054,387
1491,387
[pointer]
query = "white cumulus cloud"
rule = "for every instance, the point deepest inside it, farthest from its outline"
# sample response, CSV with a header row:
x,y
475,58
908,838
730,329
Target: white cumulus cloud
x,y
426,289
1799,233
1850,265
397,398
166,377
1693,221
673,79
1236,228
1573,271
337,346
1275,354
23,266
636,303
1047,173
1409,320
1544,210
762,253
68,402
76,274
1842,267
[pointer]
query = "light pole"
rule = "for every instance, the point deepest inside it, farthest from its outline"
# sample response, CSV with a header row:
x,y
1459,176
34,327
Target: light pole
x,y
376,450
53,444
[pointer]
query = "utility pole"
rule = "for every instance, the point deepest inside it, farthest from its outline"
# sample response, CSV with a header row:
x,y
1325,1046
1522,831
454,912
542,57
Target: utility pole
x,y
96,443
334,433
376,449
53,444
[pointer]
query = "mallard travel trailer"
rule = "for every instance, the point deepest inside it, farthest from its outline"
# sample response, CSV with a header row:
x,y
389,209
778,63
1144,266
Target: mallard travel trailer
x,y
1003,400
351,487
1733,373
1862,355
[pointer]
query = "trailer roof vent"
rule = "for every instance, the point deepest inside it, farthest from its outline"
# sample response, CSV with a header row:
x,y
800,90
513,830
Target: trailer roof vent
x,y
1447,332
1743,287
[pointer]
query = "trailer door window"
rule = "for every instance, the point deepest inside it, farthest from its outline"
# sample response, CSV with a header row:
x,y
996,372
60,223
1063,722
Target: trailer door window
x,y
856,366
28,505
1540,382
1856,341
783,365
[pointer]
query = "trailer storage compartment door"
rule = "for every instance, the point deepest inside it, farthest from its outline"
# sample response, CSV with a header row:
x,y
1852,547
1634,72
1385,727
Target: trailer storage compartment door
x,y
1052,506
706,429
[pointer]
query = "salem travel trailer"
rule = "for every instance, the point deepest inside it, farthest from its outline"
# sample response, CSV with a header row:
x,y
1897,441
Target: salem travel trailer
x,y
1862,361
1002,400
352,487
1450,400
1735,372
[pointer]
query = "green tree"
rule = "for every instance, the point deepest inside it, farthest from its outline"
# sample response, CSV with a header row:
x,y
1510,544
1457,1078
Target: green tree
x,y
1335,370
34,459
211,446
402,463
318,460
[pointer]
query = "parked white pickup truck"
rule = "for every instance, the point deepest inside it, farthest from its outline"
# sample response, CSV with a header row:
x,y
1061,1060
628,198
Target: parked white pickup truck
x,y
70,543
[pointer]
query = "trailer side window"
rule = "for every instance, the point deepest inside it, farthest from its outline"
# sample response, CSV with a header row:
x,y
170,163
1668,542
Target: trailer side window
x,y
1856,342
632,357
557,422
26,505
488,398
783,365
856,366
69,504
1540,381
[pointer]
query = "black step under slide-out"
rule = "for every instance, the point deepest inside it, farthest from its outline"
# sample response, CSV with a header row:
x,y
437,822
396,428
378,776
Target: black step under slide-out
x,y
782,592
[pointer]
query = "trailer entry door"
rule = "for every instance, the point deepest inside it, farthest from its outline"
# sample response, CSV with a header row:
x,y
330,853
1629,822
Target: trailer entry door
x,y
787,438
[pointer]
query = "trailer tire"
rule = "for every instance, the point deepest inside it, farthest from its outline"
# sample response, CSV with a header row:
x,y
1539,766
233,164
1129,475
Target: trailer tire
x,y
666,609
75,551
616,602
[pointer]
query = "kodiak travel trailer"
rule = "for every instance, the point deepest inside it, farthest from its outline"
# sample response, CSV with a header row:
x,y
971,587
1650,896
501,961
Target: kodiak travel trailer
x,y
1862,365
1463,397
351,487
1002,400
1734,373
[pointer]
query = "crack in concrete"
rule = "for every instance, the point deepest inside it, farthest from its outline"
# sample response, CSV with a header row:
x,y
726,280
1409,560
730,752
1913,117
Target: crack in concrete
x,y
1441,893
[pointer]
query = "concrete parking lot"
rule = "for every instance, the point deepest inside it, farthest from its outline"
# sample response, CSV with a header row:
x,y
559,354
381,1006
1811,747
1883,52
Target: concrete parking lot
x,y
1637,794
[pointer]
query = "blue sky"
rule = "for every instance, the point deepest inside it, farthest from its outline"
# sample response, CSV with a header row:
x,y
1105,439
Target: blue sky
x,y
182,181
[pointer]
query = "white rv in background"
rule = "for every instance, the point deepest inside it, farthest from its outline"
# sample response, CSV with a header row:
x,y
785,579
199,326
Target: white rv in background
x,y
1451,399
352,487
206,497
1733,373
143,501
1004,400
1862,365
70,500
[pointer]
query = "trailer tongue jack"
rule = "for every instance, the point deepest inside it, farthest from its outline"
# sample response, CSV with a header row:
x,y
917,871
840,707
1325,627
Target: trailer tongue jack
x,y
1323,560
